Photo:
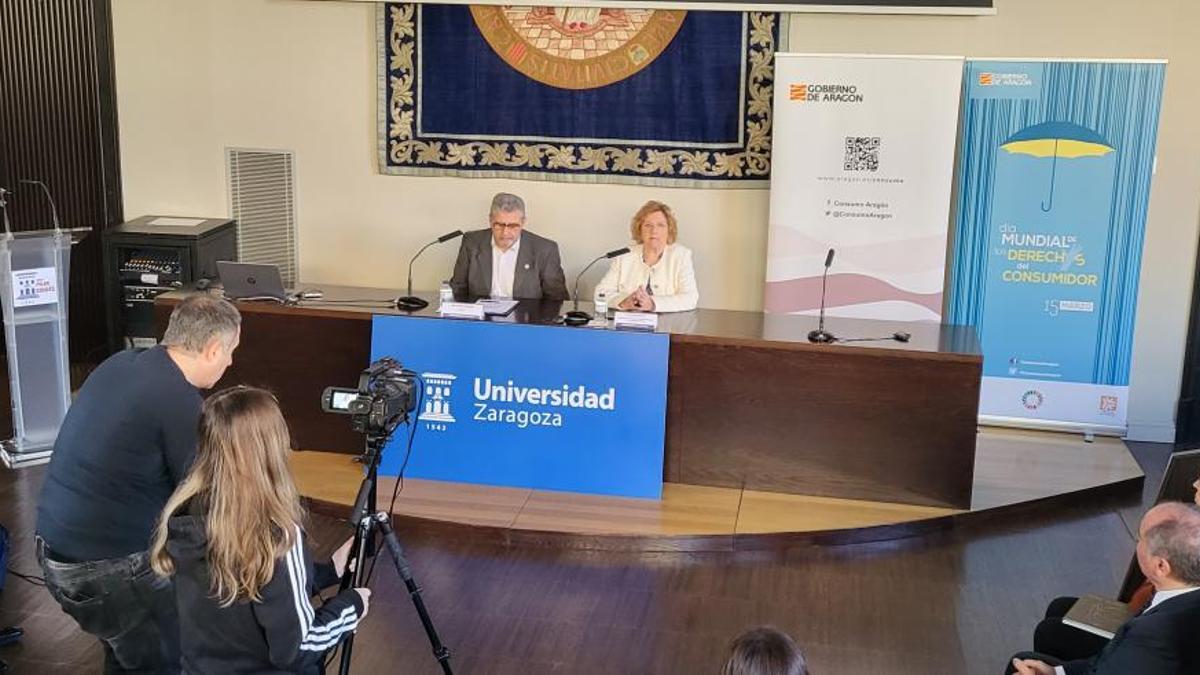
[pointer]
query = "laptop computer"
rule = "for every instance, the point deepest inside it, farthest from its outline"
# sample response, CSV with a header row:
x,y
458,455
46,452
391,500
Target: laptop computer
x,y
251,281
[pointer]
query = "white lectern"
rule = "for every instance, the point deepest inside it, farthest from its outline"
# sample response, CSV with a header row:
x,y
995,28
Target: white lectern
x,y
34,275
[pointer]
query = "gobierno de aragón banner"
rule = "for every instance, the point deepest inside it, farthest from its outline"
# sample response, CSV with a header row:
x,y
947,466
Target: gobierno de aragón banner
x,y
1055,163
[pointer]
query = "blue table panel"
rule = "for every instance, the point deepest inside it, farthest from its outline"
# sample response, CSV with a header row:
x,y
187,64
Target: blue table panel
x,y
531,406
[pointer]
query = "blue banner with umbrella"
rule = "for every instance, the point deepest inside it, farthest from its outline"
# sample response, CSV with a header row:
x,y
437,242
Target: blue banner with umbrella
x,y
1054,187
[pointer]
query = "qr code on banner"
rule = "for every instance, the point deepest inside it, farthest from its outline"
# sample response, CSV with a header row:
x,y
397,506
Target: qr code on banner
x,y
862,153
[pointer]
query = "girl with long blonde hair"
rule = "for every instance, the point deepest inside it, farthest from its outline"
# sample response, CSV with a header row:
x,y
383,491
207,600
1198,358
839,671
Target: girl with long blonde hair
x,y
232,536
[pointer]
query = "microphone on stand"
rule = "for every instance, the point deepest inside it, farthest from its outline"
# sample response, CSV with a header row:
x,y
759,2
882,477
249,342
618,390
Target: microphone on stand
x,y
577,317
46,191
820,335
409,302
4,212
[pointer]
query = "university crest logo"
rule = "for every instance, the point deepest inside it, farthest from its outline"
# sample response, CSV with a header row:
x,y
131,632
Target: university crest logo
x,y
577,47
436,406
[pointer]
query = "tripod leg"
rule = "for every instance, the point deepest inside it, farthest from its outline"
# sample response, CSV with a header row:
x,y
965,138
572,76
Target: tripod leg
x,y
354,578
393,544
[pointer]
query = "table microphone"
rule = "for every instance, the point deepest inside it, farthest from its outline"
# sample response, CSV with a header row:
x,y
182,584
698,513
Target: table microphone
x,y
577,317
820,334
410,303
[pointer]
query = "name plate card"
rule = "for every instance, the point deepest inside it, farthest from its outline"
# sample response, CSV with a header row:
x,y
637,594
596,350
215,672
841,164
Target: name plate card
x,y
461,310
644,321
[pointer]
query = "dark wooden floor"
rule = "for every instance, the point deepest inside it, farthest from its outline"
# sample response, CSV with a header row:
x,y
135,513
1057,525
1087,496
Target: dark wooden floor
x,y
954,602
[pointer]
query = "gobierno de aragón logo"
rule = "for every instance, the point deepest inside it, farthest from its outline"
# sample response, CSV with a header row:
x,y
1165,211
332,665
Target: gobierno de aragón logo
x,y
992,79
824,93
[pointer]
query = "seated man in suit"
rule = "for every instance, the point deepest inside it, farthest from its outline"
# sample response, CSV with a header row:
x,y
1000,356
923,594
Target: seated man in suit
x,y
1056,638
1160,640
507,262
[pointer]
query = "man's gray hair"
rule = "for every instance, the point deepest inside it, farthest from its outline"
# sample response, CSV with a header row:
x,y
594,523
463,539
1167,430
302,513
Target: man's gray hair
x,y
1177,538
507,202
199,319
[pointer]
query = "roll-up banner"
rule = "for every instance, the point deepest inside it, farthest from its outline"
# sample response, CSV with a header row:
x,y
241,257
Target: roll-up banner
x,y
862,163
1054,184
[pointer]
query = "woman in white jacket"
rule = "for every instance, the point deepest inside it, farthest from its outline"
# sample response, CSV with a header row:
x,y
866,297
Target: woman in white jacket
x,y
656,275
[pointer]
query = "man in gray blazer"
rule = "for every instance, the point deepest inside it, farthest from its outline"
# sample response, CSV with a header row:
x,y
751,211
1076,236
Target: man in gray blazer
x,y
505,261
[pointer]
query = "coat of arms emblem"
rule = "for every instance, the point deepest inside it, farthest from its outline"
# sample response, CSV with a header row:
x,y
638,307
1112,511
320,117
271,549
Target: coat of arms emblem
x,y
577,47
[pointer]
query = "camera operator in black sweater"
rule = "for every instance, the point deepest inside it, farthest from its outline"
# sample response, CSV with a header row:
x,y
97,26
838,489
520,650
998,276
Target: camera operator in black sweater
x,y
127,441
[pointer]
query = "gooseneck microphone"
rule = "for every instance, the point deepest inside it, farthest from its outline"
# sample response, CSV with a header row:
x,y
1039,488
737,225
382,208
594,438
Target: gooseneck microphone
x,y
409,302
820,335
46,191
577,317
4,212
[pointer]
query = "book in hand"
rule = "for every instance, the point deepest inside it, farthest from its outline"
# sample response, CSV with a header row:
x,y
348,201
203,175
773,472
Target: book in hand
x,y
1097,615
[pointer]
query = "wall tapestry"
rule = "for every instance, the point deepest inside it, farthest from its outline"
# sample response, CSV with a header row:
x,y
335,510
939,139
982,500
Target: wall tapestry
x,y
642,96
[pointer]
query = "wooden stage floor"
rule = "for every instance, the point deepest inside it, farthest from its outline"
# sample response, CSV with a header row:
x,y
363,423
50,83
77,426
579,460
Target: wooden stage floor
x,y
960,600
1012,468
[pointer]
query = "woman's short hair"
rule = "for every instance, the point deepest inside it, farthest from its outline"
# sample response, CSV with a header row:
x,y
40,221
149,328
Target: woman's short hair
x,y
635,226
764,651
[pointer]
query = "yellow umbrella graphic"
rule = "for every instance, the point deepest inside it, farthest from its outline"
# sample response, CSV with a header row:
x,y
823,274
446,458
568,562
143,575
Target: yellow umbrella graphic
x,y
1057,139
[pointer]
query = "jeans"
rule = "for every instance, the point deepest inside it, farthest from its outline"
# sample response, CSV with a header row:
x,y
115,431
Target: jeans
x,y
122,602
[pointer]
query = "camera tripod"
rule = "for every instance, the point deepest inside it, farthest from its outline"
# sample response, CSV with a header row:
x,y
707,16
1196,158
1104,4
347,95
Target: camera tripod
x,y
366,525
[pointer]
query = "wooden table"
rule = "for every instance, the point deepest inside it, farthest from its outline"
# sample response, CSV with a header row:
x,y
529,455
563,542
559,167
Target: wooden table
x,y
750,402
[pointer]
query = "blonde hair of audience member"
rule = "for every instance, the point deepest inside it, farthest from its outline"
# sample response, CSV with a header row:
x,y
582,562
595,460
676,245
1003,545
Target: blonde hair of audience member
x,y
650,207
765,651
245,489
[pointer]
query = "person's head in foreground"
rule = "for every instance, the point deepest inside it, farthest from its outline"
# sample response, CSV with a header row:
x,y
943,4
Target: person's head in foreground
x,y
765,651
201,336
1168,548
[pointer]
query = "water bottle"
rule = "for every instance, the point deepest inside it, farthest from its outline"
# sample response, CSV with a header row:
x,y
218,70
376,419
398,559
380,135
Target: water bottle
x,y
601,308
445,293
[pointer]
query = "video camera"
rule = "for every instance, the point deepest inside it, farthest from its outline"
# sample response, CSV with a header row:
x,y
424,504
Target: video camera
x,y
382,401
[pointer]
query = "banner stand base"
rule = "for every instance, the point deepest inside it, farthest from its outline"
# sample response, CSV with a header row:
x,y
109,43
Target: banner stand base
x,y
1051,425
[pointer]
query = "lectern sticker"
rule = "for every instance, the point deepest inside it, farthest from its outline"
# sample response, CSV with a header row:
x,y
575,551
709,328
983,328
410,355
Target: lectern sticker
x,y
531,406
37,286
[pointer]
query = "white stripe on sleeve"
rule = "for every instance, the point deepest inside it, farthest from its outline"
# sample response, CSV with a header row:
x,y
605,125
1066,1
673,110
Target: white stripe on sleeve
x,y
314,637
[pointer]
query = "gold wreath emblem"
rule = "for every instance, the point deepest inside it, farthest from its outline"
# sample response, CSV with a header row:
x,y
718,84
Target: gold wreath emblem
x,y
577,48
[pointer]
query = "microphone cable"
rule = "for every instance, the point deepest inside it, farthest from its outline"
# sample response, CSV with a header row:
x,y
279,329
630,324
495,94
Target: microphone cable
x,y
343,301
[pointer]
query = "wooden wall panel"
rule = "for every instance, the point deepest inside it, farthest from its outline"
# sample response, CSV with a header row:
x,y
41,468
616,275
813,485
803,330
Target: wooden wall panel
x,y
58,125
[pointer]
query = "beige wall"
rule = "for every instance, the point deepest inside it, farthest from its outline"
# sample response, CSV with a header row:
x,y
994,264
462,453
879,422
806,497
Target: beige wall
x,y
197,76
